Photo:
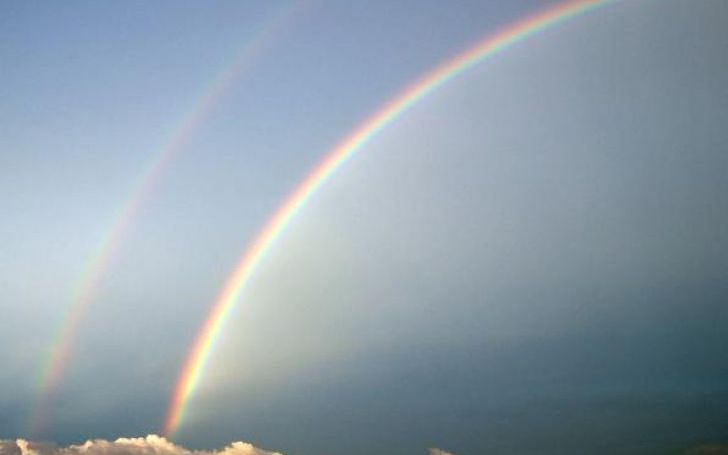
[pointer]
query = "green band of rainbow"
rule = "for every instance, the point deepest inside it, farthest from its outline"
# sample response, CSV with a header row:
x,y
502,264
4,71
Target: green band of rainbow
x,y
98,264
214,324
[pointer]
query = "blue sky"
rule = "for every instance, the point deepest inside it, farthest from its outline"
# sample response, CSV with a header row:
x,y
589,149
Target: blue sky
x,y
532,260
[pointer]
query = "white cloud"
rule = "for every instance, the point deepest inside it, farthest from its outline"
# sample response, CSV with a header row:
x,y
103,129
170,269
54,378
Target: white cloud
x,y
435,451
150,445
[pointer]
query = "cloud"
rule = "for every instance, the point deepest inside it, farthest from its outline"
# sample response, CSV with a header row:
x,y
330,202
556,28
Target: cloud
x,y
151,445
435,451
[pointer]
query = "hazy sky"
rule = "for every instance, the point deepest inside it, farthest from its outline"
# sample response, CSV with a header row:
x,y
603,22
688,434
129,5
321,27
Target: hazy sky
x,y
532,260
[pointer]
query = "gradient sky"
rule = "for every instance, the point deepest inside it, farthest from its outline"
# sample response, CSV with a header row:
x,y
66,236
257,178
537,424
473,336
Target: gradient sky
x,y
532,260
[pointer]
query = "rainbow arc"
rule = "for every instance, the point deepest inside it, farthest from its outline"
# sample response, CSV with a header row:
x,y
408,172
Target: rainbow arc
x,y
214,325
99,263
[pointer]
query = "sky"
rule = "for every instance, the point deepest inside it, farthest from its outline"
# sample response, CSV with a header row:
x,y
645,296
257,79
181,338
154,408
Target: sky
x,y
532,259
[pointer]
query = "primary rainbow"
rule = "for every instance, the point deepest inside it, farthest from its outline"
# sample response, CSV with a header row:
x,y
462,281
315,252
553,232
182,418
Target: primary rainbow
x,y
98,264
213,326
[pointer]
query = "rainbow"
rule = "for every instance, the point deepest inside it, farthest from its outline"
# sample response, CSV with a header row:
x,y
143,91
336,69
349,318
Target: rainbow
x,y
213,326
99,263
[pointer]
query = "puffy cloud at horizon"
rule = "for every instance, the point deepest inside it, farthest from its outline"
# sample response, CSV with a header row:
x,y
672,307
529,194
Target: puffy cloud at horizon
x,y
149,445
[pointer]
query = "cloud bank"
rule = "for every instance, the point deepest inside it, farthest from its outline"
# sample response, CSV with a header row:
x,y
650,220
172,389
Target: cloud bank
x,y
151,445
435,451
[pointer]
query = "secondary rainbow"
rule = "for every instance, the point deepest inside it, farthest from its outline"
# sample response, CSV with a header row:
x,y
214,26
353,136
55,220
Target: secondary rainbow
x,y
214,324
98,264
